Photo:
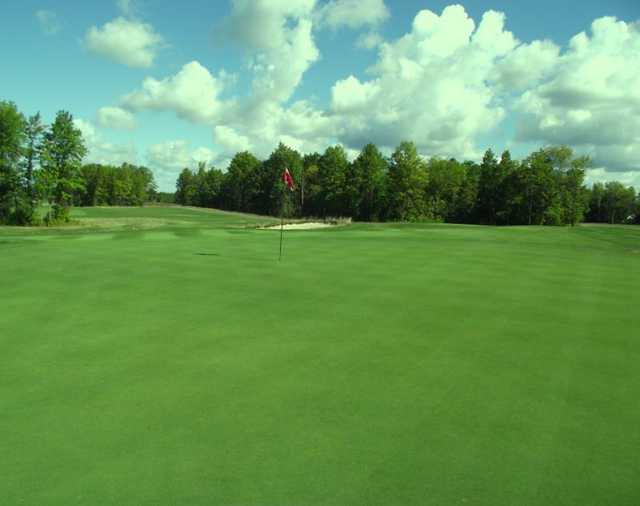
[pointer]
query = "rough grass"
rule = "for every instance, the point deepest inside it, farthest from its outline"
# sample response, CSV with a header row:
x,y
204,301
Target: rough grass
x,y
376,364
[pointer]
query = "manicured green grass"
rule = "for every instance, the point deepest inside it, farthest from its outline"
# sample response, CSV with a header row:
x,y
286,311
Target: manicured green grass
x,y
177,362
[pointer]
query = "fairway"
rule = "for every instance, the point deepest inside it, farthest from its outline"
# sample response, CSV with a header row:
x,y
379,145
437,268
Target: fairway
x,y
163,356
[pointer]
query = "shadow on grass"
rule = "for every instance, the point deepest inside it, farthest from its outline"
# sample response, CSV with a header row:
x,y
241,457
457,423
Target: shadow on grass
x,y
204,254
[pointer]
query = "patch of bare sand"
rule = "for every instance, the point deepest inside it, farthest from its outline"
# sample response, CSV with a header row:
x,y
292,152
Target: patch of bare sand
x,y
302,226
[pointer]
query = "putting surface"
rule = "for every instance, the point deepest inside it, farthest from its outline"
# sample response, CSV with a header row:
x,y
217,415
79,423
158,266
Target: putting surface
x,y
178,362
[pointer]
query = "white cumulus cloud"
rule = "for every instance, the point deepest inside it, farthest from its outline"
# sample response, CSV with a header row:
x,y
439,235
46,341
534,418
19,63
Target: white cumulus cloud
x,y
167,159
177,155
131,43
447,84
352,13
101,151
230,140
369,40
116,117
193,93
430,86
590,98
278,35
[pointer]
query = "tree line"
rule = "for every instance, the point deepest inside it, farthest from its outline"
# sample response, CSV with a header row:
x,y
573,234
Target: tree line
x,y
43,164
545,188
108,185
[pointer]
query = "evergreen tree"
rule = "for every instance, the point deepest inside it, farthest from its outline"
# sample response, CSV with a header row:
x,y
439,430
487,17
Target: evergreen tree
x,y
490,202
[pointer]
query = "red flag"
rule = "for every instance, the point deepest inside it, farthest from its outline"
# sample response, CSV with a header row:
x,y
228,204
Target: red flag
x,y
287,179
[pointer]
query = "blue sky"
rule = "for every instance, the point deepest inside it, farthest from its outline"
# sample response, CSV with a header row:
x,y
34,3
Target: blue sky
x,y
166,84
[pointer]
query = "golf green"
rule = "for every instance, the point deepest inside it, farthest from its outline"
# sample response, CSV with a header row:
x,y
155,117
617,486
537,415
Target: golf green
x,y
163,356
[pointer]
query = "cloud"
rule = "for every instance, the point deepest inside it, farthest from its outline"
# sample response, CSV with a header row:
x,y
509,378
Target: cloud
x,y
526,65
167,159
351,95
230,140
601,175
100,151
116,117
447,84
131,43
431,85
369,40
193,94
48,21
590,98
176,155
352,13
278,35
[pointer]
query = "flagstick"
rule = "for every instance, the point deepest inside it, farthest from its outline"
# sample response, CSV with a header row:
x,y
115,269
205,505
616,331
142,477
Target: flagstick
x,y
281,225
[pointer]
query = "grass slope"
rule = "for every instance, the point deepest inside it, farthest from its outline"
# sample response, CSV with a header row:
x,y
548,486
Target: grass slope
x,y
376,365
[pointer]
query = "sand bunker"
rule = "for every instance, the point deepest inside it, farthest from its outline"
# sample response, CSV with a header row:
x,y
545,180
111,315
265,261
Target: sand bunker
x,y
302,226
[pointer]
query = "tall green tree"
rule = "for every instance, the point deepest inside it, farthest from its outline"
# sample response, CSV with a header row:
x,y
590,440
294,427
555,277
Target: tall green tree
x,y
311,185
465,205
596,212
272,198
365,184
444,191
332,172
214,179
185,188
619,202
538,188
240,187
491,195
61,159
15,206
573,192
406,184
34,130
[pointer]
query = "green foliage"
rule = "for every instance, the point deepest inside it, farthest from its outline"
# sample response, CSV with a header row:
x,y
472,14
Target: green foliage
x,y
202,188
107,185
332,176
15,203
612,202
61,161
451,190
271,189
619,202
406,184
311,185
34,130
44,165
546,188
240,186
365,186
